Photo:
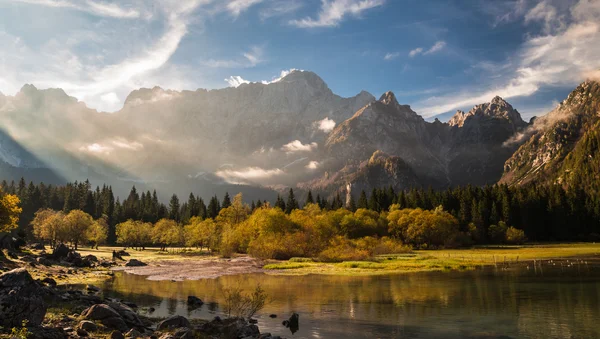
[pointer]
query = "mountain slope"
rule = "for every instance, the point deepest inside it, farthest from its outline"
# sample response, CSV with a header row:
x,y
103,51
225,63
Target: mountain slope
x,y
561,147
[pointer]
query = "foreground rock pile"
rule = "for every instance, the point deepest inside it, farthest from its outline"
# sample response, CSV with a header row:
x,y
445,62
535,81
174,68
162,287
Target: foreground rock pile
x,y
24,300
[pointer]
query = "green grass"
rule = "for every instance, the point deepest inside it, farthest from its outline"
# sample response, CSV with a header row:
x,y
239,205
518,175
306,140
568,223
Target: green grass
x,y
438,260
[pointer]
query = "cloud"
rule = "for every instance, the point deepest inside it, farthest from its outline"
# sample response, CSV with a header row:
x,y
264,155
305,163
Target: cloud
x,y
298,146
248,59
124,144
280,8
111,99
438,46
391,56
248,175
97,8
313,165
326,125
415,52
236,7
96,149
563,55
236,81
333,12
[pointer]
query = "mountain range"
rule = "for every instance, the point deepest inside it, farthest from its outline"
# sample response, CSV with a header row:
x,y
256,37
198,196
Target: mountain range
x,y
295,132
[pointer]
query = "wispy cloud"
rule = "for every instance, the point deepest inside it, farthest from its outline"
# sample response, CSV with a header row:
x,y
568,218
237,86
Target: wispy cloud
x,y
391,56
280,8
248,175
566,54
248,59
415,52
236,81
334,11
438,46
92,7
236,7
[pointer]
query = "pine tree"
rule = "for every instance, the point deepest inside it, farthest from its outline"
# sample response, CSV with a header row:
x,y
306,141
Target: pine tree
x,y
280,203
174,208
362,200
291,204
226,201
309,198
351,204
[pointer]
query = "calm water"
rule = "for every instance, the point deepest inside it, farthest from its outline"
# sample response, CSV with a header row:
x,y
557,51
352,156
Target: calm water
x,y
490,303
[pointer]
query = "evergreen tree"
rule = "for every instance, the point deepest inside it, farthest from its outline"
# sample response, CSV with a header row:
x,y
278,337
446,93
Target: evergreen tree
x,y
309,198
280,203
362,200
226,201
174,208
291,204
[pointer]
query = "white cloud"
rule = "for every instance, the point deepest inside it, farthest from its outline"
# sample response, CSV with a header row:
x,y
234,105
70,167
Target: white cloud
x,y
313,165
391,56
248,175
326,125
280,8
298,146
111,99
438,46
236,81
97,8
236,7
564,57
415,52
248,59
546,13
96,148
333,12
124,144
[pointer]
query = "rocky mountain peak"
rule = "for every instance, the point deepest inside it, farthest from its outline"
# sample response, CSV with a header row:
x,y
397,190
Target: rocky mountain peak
x,y
497,108
388,98
307,77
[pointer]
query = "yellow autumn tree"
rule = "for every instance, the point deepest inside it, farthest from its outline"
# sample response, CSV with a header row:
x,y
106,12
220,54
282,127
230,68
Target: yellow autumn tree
x,y
9,212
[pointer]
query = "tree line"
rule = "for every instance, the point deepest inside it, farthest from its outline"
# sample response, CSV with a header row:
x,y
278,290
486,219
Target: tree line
x,y
543,212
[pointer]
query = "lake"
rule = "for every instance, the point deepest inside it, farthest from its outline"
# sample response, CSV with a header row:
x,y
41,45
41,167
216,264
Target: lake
x,y
522,302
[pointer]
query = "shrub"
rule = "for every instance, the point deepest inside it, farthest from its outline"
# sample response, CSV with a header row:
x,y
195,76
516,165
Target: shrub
x,y
515,236
497,233
342,249
240,304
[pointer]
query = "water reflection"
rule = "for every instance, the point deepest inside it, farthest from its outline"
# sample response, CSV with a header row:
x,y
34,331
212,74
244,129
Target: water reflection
x,y
477,304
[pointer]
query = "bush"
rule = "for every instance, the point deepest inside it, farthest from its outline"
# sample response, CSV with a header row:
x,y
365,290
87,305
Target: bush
x,y
515,236
342,249
497,233
239,304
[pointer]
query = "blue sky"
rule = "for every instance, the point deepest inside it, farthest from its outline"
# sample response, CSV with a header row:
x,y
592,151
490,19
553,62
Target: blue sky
x,y
437,56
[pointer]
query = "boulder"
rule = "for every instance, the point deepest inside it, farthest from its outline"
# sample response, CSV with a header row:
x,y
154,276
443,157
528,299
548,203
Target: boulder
x,y
21,298
123,253
37,246
175,321
127,313
134,263
133,333
60,252
107,316
82,333
116,335
230,328
47,333
49,281
91,258
293,323
194,301
92,288
87,326
43,261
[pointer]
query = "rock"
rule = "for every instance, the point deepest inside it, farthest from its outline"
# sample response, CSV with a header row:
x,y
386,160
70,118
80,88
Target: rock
x,y
91,258
183,333
116,335
151,310
88,326
293,323
82,333
253,321
194,301
43,261
28,258
107,316
21,298
127,313
49,281
230,328
92,288
135,263
273,316
130,304
47,333
133,333
37,246
60,252
123,253
173,322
